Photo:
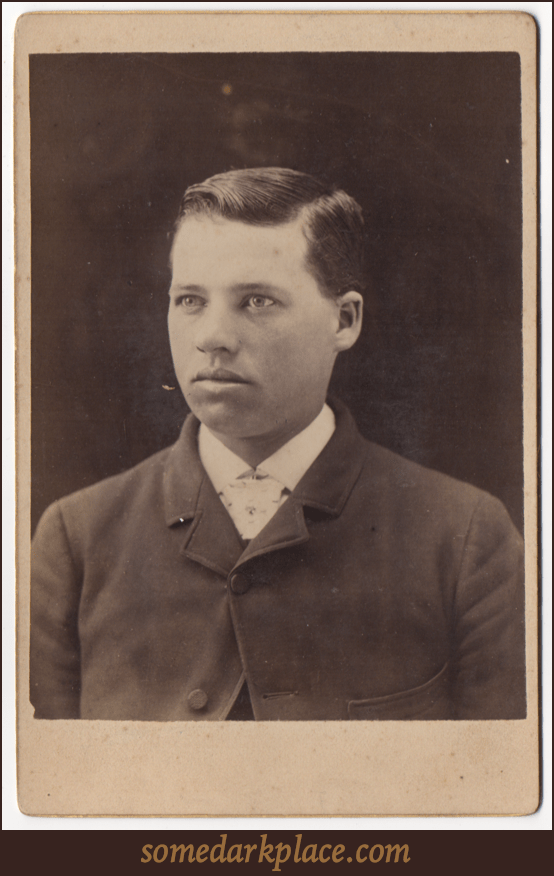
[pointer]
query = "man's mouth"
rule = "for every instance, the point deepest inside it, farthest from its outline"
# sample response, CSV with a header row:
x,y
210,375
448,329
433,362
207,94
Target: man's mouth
x,y
220,375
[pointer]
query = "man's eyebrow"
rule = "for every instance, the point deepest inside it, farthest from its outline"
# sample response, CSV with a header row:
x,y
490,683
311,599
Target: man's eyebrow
x,y
180,287
240,288
256,287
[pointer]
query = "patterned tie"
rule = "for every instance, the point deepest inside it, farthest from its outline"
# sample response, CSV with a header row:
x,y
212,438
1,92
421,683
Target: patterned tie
x,y
252,500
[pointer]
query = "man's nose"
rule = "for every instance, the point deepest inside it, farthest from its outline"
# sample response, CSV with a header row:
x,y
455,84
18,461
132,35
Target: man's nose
x,y
217,330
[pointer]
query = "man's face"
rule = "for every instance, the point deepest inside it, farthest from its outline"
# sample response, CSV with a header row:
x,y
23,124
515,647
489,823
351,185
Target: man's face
x,y
252,337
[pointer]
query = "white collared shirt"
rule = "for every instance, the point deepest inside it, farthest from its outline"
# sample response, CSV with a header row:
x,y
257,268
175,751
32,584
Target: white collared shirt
x,y
288,465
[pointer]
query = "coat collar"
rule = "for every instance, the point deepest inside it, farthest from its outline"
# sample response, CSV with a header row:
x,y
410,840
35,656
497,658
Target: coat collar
x,y
212,539
330,479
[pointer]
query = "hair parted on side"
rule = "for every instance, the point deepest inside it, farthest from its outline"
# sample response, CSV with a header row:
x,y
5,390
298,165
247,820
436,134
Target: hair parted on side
x,y
332,221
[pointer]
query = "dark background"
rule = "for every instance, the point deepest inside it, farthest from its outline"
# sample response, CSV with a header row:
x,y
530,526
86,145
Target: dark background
x,y
429,144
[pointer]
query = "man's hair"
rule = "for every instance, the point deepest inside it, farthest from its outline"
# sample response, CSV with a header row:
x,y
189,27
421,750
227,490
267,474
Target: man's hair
x,y
331,220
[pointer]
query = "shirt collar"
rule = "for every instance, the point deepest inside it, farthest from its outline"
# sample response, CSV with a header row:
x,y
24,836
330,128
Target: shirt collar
x,y
287,465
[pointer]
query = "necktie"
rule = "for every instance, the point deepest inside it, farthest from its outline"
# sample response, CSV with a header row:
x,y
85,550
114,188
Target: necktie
x,y
252,499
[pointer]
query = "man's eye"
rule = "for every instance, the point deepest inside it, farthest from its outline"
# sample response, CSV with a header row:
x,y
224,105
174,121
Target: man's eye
x,y
189,301
260,301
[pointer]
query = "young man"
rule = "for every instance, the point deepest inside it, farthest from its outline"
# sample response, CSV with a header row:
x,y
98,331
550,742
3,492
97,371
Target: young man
x,y
273,564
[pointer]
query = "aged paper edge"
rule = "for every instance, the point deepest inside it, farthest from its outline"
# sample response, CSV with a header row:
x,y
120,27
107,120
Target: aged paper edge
x,y
130,769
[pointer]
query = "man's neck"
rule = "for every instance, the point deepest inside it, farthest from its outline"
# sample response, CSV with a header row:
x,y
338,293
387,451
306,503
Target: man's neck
x,y
253,450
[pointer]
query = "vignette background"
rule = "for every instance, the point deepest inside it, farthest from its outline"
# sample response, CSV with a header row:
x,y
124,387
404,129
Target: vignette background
x,y
429,144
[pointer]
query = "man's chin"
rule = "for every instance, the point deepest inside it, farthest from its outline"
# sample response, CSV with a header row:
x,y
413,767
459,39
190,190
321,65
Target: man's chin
x,y
224,415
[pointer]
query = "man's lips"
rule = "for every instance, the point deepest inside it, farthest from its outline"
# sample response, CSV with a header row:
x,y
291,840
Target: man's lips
x,y
220,375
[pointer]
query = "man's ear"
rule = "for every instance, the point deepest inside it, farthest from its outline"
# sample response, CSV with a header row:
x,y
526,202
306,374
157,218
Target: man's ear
x,y
350,305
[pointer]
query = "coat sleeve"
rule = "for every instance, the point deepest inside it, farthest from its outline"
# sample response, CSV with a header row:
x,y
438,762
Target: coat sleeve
x,y
488,674
55,588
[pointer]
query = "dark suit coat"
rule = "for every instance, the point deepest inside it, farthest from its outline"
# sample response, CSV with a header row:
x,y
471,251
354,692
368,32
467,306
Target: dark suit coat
x,y
380,590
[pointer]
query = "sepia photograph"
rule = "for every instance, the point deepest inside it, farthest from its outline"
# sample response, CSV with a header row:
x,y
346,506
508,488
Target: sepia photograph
x,y
277,387
276,563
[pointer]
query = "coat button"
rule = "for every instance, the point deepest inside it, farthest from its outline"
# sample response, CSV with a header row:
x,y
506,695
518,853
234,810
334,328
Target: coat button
x,y
197,699
240,583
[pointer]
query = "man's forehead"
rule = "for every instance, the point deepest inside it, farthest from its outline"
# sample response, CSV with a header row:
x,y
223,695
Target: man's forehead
x,y
221,252
206,231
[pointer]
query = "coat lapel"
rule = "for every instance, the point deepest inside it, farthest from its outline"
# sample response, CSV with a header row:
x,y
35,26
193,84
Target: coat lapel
x,y
325,488
211,537
286,528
